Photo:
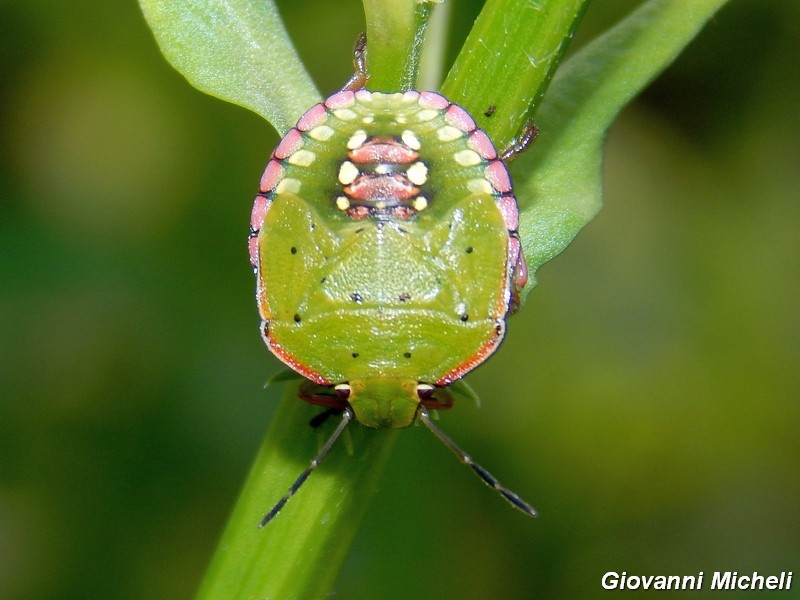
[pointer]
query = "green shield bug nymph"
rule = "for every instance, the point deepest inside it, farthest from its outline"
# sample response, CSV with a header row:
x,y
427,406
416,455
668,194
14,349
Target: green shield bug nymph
x,y
384,241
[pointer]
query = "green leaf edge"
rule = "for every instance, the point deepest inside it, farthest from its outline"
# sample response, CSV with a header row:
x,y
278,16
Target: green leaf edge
x,y
559,182
236,50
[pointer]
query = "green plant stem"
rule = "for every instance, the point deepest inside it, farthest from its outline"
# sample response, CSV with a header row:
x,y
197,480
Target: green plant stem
x,y
432,56
508,59
394,42
299,553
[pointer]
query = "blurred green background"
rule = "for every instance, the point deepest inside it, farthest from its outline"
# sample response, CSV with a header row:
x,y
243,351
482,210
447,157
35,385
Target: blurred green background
x,y
647,400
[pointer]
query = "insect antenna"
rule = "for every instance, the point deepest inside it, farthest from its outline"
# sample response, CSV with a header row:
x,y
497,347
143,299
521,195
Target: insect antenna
x,y
485,476
346,416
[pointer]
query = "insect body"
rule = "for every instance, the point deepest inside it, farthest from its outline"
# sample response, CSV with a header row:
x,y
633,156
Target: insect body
x,y
384,240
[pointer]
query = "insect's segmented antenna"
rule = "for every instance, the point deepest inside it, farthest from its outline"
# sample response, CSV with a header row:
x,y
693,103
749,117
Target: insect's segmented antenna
x,y
346,416
487,477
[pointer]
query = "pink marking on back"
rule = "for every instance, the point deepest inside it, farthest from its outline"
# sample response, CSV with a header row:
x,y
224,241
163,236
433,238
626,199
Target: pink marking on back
x,y
341,100
508,207
480,142
383,151
358,212
316,115
260,209
252,248
272,175
458,117
381,187
433,100
403,212
497,174
290,144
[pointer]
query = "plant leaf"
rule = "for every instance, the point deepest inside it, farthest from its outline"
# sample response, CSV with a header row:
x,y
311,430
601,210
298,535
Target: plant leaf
x,y
559,181
236,50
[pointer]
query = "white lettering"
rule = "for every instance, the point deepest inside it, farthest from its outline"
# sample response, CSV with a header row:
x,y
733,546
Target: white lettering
x,y
647,581
693,583
722,581
758,580
610,580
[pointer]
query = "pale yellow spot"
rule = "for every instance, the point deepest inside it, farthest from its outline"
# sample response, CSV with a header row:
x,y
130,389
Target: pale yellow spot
x,y
321,133
357,139
348,173
302,158
368,120
479,186
344,114
288,185
420,203
417,173
342,203
427,114
383,169
467,158
401,119
410,139
448,133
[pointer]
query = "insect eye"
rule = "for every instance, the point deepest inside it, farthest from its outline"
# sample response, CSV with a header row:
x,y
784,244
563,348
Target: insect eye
x,y
425,391
342,391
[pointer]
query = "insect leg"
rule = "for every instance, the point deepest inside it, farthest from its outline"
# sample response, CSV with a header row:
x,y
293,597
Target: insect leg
x,y
520,143
358,79
487,477
346,416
